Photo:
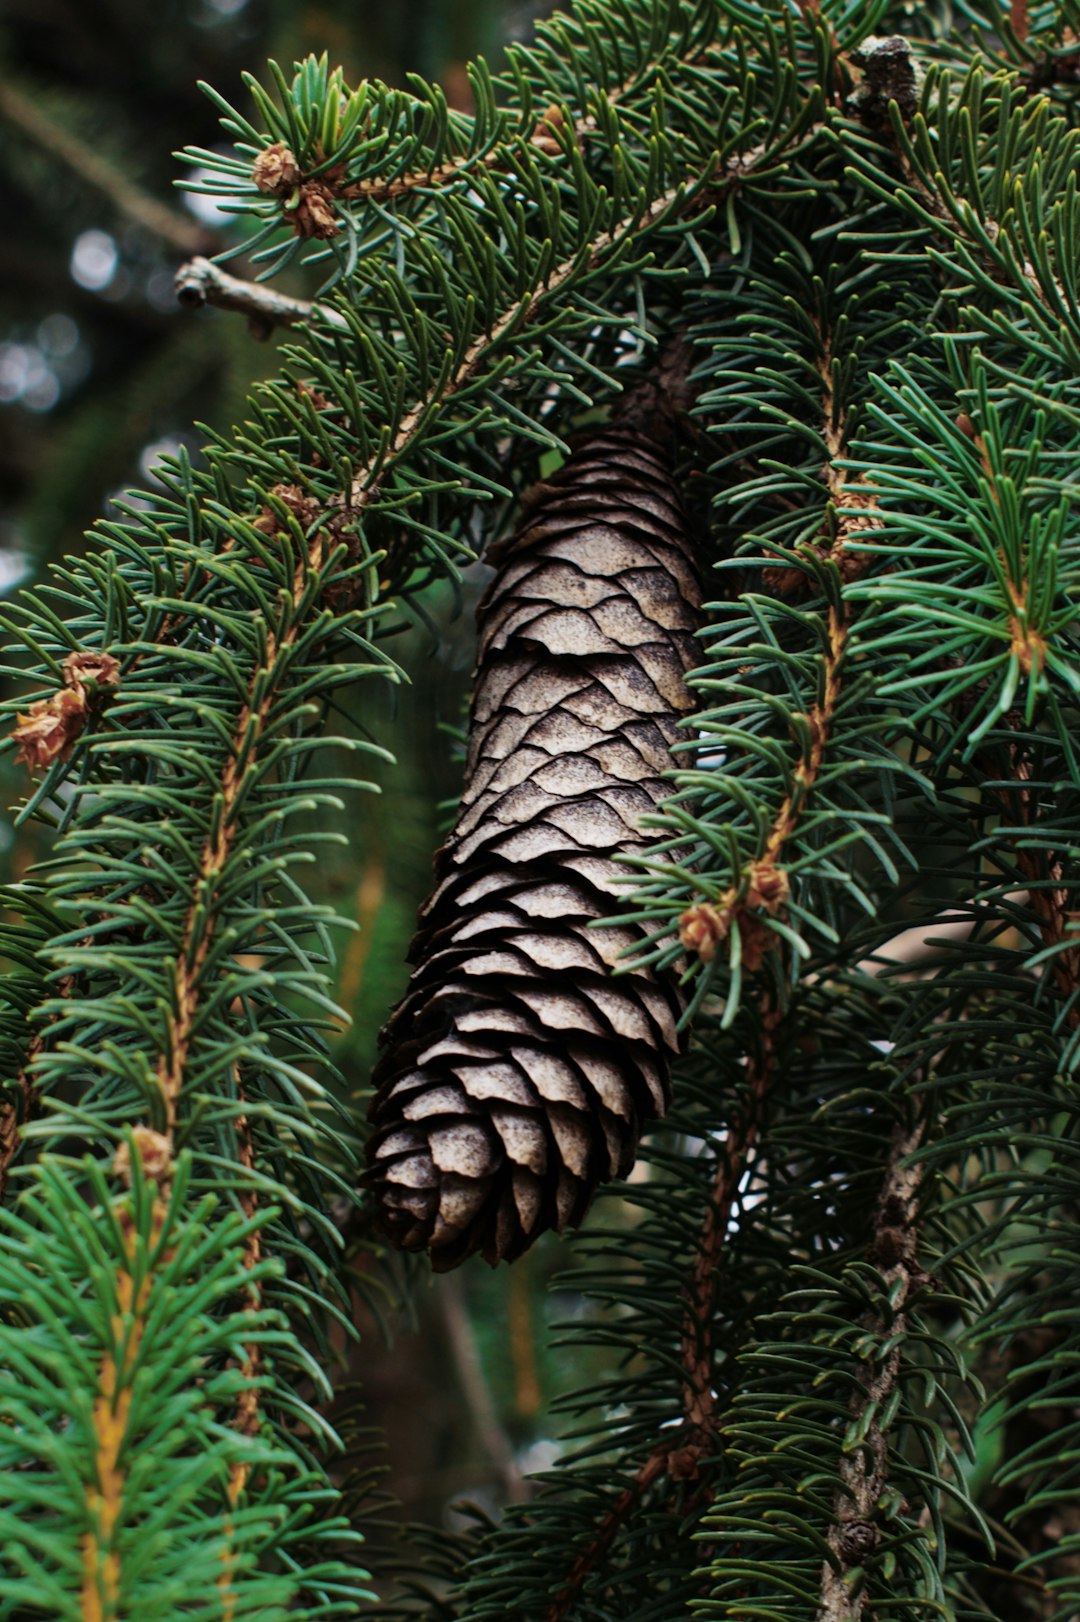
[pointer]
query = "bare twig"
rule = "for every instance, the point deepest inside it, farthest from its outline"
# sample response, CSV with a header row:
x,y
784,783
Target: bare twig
x,y
201,282
188,236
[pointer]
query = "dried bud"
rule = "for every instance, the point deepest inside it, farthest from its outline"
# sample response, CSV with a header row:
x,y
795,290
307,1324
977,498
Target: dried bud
x,y
853,565
305,509
546,136
50,727
702,927
316,396
768,887
857,512
966,426
684,1464
276,170
91,668
893,1246
155,1156
314,214
895,1210
784,581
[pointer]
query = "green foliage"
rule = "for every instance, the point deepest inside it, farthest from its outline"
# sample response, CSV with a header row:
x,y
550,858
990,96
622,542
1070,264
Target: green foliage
x,y
836,1306
128,1300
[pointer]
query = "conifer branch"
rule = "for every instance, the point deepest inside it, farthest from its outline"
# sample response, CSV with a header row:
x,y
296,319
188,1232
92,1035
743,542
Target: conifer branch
x,y
762,890
309,199
654,1466
102,1574
365,485
765,1440
1050,902
199,929
864,1463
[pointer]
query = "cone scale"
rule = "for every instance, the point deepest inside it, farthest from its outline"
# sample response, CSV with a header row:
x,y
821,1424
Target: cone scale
x,y
517,1073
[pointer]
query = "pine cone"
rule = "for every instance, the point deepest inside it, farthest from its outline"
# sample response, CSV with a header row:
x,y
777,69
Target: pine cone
x,y
517,1073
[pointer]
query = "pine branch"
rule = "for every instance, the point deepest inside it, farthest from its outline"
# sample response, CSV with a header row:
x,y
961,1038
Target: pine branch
x,y
761,891
203,737
884,450
103,1577
384,150
1050,893
700,1310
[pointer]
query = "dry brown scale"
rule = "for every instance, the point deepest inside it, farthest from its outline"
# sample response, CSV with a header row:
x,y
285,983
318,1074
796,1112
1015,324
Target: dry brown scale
x,y
517,1073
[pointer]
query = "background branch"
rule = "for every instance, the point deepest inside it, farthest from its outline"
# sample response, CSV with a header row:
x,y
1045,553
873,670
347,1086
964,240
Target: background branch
x,y
95,170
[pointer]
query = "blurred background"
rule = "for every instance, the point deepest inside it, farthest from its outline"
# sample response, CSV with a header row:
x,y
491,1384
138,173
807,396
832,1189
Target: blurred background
x,y
100,373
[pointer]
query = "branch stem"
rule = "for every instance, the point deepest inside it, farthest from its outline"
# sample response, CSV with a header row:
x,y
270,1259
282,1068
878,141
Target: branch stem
x,y
863,1469
200,282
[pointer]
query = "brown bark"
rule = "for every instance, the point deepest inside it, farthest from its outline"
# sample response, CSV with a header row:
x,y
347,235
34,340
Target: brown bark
x,y
518,1073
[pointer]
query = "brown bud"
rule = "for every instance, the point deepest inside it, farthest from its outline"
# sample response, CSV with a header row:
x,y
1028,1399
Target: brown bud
x,y
314,214
892,1246
155,1156
547,134
784,581
316,396
768,887
305,509
966,426
858,1539
93,668
702,927
684,1464
276,170
50,727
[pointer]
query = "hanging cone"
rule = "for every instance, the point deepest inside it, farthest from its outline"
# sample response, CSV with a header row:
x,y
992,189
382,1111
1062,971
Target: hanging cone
x,y
518,1072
